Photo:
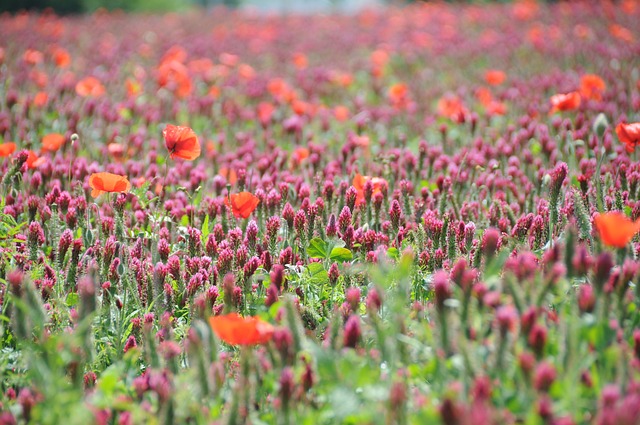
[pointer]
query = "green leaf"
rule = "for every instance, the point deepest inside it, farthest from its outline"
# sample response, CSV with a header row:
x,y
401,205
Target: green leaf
x,y
205,227
393,253
317,248
318,274
341,254
72,299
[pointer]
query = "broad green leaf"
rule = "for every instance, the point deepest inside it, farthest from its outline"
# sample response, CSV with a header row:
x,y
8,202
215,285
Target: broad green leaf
x,y
318,274
317,248
341,254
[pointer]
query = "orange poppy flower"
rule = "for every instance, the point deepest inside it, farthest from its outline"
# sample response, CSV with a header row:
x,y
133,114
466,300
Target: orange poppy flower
x,y
398,95
300,61
33,161
133,87
52,142
175,76
246,72
61,57
237,330
341,113
495,77
90,87
265,112
621,33
359,182
7,149
107,182
452,107
181,142
496,108
616,229
299,155
229,175
629,134
242,204
40,99
32,57
565,102
592,86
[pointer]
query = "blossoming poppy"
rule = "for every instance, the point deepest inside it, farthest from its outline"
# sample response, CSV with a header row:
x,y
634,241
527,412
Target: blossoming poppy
x,y
242,204
359,181
90,87
494,77
592,86
616,229
52,142
450,106
629,134
7,149
181,142
237,330
565,102
107,182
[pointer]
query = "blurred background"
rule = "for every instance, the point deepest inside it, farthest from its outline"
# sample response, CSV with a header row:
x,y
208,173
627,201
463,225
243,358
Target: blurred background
x,y
155,6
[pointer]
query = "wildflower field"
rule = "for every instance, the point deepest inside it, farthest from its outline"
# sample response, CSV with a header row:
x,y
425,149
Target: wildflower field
x,y
415,215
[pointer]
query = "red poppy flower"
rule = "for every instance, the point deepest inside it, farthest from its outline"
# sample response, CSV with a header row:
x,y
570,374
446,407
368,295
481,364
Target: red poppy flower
x,y
629,134
7,149
565,102
61,57
242,204
616,229
237,330
398,95
181,142
52,142
495,77
450,106
107,182
592,86
33,161
90,87
40,99
359,182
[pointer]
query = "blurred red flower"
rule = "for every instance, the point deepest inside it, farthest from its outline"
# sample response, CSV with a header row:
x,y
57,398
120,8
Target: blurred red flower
x,y
565,102
52,142
616,229
90,87
7,149
592,86
237,330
